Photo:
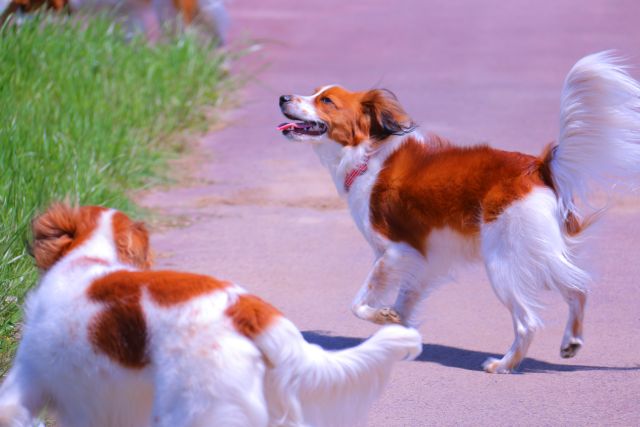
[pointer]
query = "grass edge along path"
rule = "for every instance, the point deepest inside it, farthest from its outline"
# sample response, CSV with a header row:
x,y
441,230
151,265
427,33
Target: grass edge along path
x,y
85,115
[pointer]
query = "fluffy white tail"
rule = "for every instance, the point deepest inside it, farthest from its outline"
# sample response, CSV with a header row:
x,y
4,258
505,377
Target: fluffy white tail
x,y
308,386
599,140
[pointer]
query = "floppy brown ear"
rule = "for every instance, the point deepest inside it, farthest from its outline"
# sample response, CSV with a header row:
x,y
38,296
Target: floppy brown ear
x,y
387,117
132,241
53,232
139,248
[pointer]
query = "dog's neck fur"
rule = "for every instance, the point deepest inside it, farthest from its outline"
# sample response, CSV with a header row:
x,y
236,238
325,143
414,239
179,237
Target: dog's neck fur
x,y
340,160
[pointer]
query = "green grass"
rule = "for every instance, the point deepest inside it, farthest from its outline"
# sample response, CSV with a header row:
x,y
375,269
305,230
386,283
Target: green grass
x,y
84,116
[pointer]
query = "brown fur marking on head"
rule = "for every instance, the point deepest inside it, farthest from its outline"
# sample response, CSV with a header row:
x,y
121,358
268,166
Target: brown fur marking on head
x,y
386,115
59,230
132,241
354,117
347,124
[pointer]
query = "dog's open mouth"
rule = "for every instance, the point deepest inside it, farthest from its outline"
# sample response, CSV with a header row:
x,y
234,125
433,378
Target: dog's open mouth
x,y
310,128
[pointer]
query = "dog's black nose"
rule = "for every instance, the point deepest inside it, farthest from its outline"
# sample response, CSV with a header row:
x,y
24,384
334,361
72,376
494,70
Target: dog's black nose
x,y
284,99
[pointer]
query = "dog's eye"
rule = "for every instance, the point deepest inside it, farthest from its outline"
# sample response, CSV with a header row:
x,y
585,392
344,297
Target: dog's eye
x,y
326,100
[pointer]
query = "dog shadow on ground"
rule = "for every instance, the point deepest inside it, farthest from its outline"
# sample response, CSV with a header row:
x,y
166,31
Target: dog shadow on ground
x,y
453,357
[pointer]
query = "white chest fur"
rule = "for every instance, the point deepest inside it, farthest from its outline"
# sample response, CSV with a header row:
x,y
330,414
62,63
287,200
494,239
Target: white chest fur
x,y
340,160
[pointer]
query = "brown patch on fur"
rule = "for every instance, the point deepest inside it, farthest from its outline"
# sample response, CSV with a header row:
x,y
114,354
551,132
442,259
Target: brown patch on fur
x,y
132,241
28,6
187,8
572,224
576,326
120,329
379,276
353,117
423,187
169,287
60,229
251,315
545,165
33,5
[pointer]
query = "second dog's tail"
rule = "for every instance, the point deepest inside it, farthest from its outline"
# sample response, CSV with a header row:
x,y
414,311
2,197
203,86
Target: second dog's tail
x,y
308,386
599,142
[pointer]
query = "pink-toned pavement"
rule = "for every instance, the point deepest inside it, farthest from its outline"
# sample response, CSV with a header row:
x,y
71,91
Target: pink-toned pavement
x,y
264,213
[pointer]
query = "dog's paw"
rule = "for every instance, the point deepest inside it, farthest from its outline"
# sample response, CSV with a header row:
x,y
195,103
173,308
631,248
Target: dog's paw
x,y
387,315
570,348
495,366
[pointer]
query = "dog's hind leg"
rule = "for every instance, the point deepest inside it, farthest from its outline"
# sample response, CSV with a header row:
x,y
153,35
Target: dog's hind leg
x,y
572,339
525,251
212,378
400,268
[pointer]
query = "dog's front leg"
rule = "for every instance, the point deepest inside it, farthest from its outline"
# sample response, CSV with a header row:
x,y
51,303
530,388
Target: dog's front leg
x,y
400,267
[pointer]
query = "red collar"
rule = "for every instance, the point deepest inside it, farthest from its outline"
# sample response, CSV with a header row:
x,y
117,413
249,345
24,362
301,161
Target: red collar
x,y
355,172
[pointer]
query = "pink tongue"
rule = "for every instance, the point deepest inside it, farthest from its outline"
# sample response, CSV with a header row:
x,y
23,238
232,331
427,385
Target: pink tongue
x,y
286,126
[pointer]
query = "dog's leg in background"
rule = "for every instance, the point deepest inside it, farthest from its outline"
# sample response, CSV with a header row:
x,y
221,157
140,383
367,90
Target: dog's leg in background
x,y
19,401
400,268
146,15
525,251
215,19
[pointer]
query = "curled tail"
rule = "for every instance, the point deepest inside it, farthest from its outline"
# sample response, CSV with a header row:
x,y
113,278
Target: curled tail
x,y
599,141
308,386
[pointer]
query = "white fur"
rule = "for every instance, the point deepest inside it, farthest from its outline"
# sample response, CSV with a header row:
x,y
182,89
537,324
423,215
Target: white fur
x,y
340,160
304,109
202,371
527,249
312,387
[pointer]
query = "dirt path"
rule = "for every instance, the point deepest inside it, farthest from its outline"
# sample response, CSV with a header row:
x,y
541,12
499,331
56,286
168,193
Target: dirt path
x,y
264,212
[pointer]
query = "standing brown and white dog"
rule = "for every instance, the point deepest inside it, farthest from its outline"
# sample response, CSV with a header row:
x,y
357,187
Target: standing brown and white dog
x,y
425,205
106,342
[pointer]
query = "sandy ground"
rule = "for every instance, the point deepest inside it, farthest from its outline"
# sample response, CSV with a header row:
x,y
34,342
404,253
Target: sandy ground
x,y
263,212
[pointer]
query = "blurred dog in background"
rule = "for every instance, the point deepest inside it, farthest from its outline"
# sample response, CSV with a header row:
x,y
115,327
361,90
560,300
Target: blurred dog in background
x,y
152,17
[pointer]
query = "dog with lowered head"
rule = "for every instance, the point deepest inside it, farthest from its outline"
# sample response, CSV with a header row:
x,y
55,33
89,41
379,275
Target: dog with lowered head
x,y
109,343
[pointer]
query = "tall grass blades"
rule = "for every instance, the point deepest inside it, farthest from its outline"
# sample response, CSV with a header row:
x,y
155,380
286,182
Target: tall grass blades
x,y
83,110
